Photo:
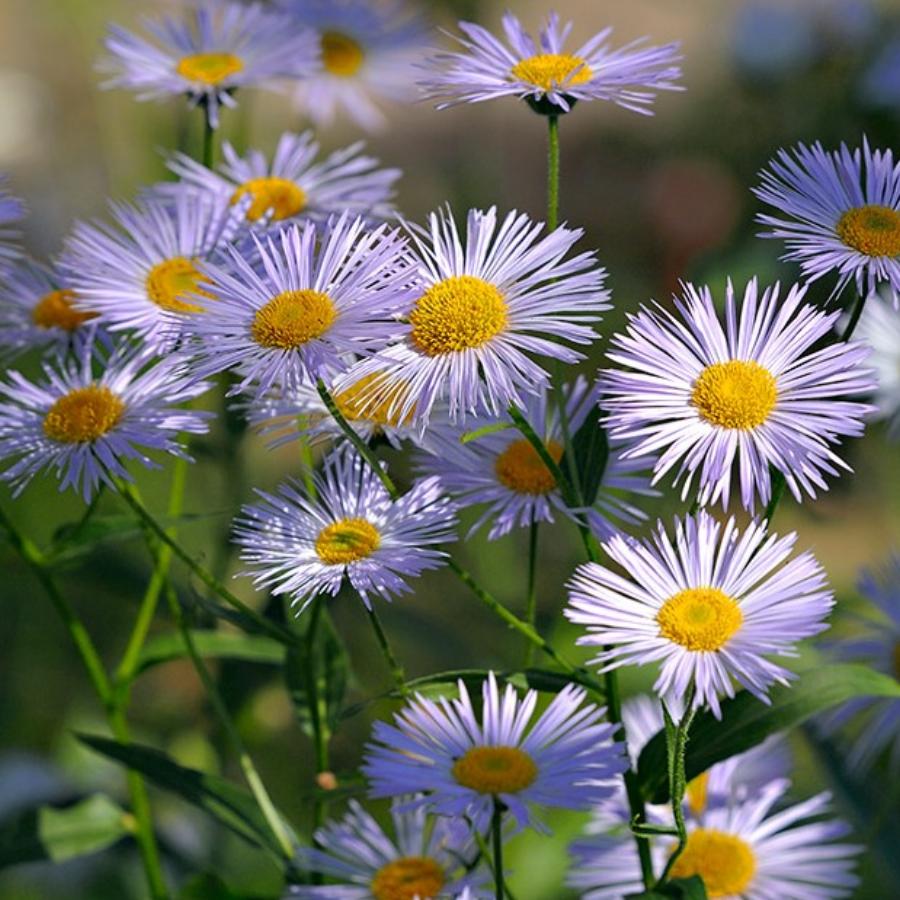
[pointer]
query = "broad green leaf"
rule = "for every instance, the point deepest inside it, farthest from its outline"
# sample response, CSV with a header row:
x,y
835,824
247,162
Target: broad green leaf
x,y
207,887
61,833
216,644
590,452
747,721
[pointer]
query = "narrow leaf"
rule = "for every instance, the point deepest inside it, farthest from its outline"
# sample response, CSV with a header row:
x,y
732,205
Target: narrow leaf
x,y
493,428
214,644
590,453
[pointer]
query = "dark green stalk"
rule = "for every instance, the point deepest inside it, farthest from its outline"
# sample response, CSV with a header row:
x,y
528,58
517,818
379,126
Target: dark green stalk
x,y
531,590
552,172
497,840
383,642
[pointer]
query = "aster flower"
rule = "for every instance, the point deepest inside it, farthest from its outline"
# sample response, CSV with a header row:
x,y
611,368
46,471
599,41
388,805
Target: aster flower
x,y
732,398
12,211
879,327
426,859
294,184
711,604
221,46
90,416
503,471
486,303
463,763
543,73
838,212
316,294
144,273
305,546
368,53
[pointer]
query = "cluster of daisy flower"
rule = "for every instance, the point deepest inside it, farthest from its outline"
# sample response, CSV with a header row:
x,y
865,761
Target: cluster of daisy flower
x,y
291,281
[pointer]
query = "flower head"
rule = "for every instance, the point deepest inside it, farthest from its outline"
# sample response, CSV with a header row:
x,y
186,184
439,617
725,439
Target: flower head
x,y
711,603
731,399
12,211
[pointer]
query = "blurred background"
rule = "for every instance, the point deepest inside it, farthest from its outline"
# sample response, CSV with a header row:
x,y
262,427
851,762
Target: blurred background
x,y
661,198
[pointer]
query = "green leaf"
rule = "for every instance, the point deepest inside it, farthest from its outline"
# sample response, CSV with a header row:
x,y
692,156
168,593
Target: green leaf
x,y
207,887
680,888
57,834
216,644
485,430
590,452
747,721
244,622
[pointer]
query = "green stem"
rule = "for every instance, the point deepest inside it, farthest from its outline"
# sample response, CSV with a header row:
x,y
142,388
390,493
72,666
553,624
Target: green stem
x,y
395,667
855,315
208,140
778,485
552,172
531,593
318,713
497,836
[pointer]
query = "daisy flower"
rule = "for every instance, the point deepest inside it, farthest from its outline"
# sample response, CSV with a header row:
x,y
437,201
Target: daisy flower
x,y
879,327
87,425
547,76
464,763
731,399
487,302
305,546
144,273
838,212
294,184
425,859
368,55
710,604
504,472
316,294
12,211
742,851
221,46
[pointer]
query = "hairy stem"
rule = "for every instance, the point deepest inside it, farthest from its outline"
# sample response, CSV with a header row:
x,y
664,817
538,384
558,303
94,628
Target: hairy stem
x,y
531,590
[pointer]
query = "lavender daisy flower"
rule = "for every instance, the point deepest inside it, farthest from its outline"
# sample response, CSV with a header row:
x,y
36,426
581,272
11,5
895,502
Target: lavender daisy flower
x,y
503,471
87,426
12,211
368,54
145,273
543,73
710,604
746,395
839,212
305,546
486,304
294,184
879,327
427,858
463,766
221,46
317,294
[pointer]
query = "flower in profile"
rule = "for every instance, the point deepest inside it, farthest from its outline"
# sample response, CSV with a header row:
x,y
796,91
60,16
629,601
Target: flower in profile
x,y
711,604
12,211
368,55
463,763
487,302
728,400
294,184
91,416
305,546
427,858
144,273
879,327
218,47
503,471
837,212
545,74
315,295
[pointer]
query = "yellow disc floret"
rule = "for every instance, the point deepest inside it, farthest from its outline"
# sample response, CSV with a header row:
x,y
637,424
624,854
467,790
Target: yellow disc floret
x,y
735,394
872,230
209,68
520,468
495,770
55,310
347,541
375,399
700,619
277,196
292,319
342,55
408,878
83,415
725,862
459,313
171,282
552,70
697,793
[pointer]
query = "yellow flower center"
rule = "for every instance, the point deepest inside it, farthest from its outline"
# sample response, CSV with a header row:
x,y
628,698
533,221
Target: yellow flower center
x,y
520,468
735,394
550,70
209,68
55,310
292,319
408,878
83,415
341,54
725,862
697,791
699,618
171,282
495,770
873,230
347,541
355,406
280,197
459,313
